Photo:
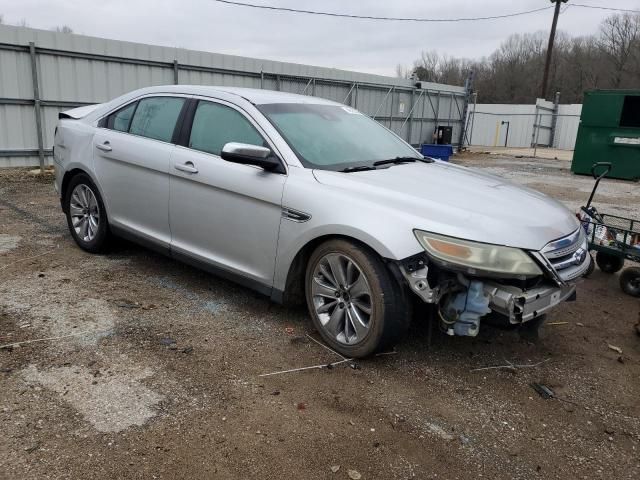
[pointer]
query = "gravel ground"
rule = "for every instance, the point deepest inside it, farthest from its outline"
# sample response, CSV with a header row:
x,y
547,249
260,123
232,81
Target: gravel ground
x,y
161,378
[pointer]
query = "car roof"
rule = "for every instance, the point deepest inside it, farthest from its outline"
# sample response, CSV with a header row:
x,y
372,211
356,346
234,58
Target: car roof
x,y
253,95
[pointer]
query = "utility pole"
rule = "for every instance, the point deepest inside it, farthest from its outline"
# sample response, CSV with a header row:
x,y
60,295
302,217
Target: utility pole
x,y
552,36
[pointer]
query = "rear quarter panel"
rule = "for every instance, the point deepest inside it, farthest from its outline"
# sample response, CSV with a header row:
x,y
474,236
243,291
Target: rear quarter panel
x,y
73,150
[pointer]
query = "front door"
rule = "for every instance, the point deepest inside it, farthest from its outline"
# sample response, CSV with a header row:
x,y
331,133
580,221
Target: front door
x,y
224,214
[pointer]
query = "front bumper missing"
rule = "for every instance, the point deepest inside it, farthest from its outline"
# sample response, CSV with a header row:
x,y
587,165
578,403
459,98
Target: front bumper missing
x,y
521,306
516,304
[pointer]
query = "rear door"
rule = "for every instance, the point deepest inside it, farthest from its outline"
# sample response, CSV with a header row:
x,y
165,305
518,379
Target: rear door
x,y
132,154
224,214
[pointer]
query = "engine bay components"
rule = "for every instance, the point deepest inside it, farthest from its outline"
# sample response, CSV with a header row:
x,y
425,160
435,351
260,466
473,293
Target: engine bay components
x,y
460,312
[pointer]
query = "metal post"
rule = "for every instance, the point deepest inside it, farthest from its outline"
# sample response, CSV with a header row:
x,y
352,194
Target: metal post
x,y
424,101
533,131
393,89
384,100
554,119
437,117
468,86
37,106
278,82
535,145
434,110
473,116
349,95
355,98
176,81
410,116
313,88
261,79
306,86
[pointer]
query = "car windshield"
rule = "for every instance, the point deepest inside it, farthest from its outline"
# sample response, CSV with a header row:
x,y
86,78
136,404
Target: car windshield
x,y
334,137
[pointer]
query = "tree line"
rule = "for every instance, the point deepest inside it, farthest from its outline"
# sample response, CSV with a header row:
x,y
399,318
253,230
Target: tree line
x,y
59,29
513,73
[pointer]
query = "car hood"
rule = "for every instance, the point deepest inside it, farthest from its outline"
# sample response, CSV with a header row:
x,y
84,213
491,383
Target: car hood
x,y
457,201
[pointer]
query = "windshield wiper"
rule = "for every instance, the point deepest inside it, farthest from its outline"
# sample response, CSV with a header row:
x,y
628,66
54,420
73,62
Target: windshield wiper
x,y
396,161
357,168
426,160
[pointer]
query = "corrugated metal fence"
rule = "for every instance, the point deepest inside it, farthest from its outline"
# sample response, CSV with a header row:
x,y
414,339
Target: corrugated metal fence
x,y
543,124
43,73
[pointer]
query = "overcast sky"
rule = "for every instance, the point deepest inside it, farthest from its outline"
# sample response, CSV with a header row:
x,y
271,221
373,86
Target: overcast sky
x,y
363,45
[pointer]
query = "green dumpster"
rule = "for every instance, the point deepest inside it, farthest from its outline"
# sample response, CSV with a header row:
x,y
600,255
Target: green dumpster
x,y
609,132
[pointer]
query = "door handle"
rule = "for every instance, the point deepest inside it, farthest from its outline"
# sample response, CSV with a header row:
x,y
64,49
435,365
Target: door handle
x,y
188,167
105,147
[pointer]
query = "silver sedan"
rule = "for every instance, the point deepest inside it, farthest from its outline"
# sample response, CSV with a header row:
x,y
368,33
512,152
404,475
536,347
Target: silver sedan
x,y
305,199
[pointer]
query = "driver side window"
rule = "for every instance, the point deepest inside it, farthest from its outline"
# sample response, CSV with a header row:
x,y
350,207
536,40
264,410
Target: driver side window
x,y
214,125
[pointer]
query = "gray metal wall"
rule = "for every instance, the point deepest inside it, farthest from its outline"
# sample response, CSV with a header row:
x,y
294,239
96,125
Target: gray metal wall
x,y
528,125
71,70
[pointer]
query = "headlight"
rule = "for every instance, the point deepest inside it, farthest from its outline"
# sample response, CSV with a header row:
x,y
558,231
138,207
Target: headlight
x,y
480,256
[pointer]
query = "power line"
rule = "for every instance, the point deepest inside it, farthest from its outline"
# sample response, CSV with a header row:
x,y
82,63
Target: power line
x,y
368,17
612,9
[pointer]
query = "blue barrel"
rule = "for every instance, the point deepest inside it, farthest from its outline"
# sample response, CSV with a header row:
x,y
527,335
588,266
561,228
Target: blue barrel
x,y
441,152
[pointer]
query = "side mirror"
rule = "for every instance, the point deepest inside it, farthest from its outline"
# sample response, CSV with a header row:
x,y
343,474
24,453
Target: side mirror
x,y
251,155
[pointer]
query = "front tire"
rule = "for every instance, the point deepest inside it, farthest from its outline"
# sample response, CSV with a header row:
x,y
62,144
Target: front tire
x,y
86,215
355,303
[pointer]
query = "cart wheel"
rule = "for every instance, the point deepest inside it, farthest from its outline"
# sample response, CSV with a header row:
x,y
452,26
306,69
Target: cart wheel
x,y
609,263
592,267
630,281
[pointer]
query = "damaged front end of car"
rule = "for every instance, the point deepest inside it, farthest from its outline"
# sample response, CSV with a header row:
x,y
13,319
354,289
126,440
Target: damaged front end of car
x,y
469,281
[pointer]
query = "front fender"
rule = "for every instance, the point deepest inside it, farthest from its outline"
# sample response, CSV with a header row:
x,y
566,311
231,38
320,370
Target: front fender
x,y
334,212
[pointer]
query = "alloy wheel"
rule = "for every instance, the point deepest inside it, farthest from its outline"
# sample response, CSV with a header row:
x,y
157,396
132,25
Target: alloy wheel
x,y
84,212
342,298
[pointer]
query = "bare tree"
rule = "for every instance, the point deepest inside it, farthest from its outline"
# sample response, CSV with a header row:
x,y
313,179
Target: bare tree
x,y
619,37
63,29
1,19
427,66
512,73
402,71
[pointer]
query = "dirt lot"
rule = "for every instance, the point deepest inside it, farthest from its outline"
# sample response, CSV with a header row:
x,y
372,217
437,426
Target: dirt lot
x,y
166,383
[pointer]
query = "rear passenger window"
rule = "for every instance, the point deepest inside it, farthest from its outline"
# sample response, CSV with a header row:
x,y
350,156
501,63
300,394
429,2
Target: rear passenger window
x,y
215,124
122,118
156,117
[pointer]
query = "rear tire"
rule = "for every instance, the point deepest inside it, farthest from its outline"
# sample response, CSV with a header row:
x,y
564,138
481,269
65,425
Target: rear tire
x,y
86,215
356,304
630,281
609,263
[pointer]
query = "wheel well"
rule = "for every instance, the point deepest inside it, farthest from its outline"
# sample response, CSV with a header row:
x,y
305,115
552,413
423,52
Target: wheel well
x,y
65,182
294,285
